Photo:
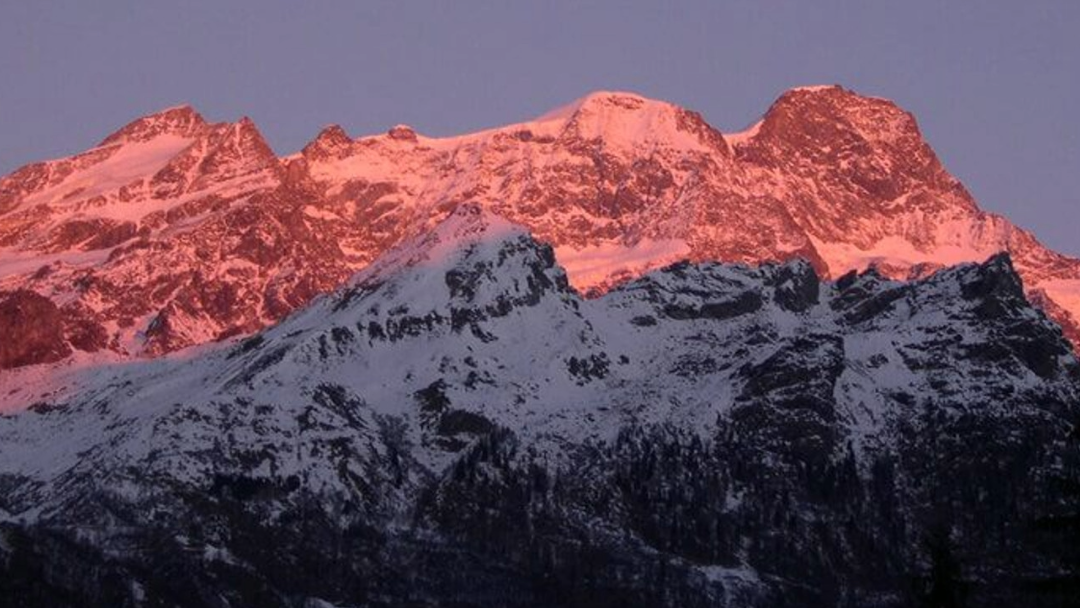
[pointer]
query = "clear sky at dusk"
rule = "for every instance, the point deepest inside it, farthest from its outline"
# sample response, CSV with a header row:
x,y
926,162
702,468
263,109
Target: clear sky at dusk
x,y
995,85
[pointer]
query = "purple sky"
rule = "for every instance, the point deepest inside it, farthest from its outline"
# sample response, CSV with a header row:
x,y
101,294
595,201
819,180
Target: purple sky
x,y
996,88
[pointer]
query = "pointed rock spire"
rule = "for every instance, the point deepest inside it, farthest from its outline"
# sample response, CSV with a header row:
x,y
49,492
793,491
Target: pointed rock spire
x,y
333,141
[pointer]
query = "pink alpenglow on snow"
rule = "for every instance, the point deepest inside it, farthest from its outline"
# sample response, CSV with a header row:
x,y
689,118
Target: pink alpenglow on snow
x,y
176,232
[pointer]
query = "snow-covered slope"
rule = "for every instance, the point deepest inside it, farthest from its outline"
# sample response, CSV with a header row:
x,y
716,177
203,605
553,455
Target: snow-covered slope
x,y
175,232
456,424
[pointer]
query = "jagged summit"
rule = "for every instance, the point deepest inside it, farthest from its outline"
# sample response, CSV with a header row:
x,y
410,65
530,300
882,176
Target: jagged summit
x,y
331,141
470,266
333,133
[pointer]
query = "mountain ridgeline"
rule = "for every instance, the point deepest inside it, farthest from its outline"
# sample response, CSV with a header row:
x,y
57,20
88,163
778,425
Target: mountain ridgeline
x,y
175,231
457,426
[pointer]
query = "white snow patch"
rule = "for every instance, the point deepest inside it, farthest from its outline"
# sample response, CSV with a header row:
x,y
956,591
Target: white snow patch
x,y
592,266
14,262
641,130
138,592
740,138
894,250
814,88
321,214
742,574
1064,292
219,554
130,162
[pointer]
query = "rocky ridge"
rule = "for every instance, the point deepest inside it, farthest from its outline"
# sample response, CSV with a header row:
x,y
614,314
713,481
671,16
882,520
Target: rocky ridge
x,y
175,232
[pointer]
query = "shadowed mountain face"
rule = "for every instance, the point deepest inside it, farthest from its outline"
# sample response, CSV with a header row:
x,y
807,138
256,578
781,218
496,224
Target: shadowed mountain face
x,y
456,426
177,232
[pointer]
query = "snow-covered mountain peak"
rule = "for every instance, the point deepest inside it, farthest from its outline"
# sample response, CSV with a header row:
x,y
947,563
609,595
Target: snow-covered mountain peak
x,y
597,101
472,257
181,121
466,227
472,223
629,123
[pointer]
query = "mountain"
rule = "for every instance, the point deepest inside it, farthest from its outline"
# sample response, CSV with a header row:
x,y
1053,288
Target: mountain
x,y
175,232
457,426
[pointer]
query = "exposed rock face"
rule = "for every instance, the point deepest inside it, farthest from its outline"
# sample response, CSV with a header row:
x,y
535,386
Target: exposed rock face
x,y
32,329
457,426
171,206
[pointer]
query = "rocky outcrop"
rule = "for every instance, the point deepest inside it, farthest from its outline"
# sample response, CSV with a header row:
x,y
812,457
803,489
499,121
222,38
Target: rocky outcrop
x,y
33,330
